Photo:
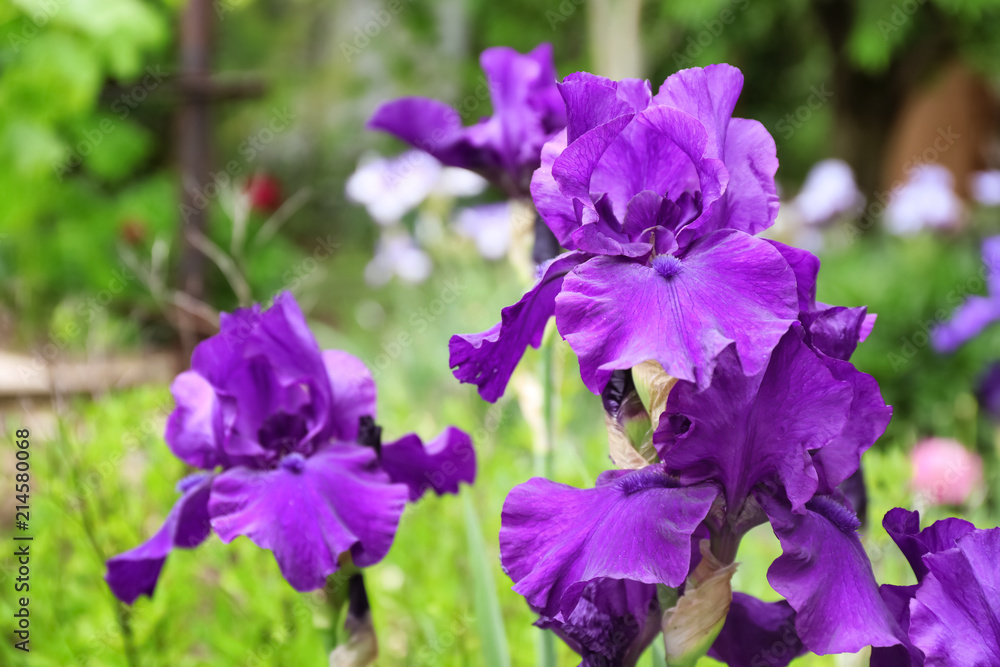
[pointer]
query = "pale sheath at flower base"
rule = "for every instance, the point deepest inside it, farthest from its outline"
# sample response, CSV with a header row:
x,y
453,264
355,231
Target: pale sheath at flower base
x,y
293,458
505,147
657,199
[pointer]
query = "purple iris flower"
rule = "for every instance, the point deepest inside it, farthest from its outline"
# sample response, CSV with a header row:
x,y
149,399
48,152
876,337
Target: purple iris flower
x,y
612,623
988,391
978,312
951,616
657,199
771,445
757,634
503,148
293,458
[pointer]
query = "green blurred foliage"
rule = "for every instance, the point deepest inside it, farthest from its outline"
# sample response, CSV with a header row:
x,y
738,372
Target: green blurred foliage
x,y
69,159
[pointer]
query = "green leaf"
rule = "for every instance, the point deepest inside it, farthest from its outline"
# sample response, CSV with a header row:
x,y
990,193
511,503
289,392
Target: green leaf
x,y
484,595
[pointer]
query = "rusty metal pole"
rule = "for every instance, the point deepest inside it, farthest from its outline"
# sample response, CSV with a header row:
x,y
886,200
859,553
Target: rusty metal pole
x,y
193,135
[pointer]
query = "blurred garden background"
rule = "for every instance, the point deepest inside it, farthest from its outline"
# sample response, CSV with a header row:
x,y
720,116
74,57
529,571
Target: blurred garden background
x,y
163,161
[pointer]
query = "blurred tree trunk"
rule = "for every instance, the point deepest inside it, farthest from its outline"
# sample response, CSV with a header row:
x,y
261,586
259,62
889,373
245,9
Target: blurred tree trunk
x,y
615,44
868,104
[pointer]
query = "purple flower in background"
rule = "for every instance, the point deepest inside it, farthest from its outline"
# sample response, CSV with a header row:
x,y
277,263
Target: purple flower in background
x,y
503,148
294,459
978,312
657,199
951,616
750,448
926,200
988,391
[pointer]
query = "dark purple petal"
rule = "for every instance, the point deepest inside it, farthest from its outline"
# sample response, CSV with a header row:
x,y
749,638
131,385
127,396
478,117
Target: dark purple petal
x,y
439,466
903,527
488,359
897,600
744,430
429,125
806,268
555,539
955,616
136,572
867,420
309,511
729,287
825,575
613,622
757,634
836,330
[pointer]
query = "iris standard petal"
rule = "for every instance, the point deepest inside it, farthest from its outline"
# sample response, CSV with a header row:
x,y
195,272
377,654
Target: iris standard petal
x,y
353,391
194,427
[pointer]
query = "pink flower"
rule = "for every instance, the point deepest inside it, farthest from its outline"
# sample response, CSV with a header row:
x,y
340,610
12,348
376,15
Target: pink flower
x,y
944,471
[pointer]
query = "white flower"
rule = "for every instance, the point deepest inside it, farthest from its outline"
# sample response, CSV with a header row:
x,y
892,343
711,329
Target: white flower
x,y
397,254
392,187
927,199
828,192
986,187
488,226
